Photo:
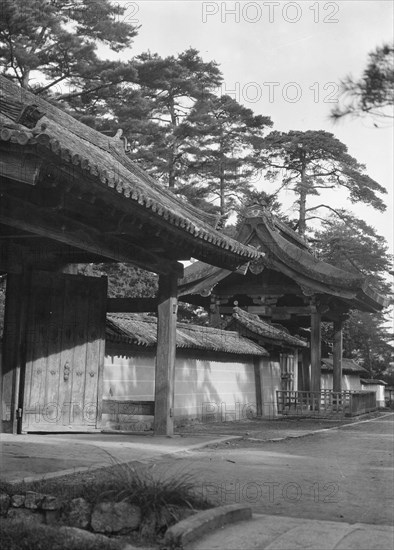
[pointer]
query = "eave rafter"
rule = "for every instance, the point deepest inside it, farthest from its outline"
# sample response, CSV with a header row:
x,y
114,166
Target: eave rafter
x,y
43,221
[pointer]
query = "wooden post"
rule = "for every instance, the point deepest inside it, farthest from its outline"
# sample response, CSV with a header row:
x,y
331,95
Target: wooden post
x,y
295,371
315,350
14,347
257,381
305,385
337,356
214,312
165,355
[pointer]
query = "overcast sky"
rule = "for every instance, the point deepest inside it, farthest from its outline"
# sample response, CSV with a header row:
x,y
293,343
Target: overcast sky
x,y
295,51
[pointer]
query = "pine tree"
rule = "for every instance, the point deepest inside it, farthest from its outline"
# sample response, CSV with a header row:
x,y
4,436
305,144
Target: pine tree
x,y
50,46
355,246
222,139
311,161
152,112
372,94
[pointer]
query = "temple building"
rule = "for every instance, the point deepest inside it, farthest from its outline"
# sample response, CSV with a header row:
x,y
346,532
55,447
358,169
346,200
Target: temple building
x,y
287,285
71,195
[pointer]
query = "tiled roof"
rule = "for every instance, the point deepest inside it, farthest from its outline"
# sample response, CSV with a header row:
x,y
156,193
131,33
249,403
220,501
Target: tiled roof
x,y
103,158
372,381
141,330
263,329
349,366
285,252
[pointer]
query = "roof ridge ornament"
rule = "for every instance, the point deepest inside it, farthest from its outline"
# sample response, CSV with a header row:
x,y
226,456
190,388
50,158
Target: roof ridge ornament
x,y
119,136
256,210
26,115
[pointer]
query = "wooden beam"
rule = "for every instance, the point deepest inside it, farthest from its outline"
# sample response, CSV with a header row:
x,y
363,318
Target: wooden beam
x,y
255,288
315,350
20,167
165,354
283,312
53,225
132,408
132,305
337,356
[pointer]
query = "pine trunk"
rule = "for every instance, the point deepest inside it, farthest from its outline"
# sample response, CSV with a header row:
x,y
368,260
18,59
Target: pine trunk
x,y
303,195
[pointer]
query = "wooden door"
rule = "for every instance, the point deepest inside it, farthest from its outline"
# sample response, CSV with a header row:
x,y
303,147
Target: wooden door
x,y
287,371
65,342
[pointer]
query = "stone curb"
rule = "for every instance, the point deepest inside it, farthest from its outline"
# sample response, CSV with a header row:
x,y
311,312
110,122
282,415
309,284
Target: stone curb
x,y
201,523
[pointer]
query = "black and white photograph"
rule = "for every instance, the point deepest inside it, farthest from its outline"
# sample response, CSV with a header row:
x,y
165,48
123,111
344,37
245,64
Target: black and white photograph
x,y
196,275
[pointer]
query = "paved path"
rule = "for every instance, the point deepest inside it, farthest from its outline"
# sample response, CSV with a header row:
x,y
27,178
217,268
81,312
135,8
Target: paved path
x,y
284,533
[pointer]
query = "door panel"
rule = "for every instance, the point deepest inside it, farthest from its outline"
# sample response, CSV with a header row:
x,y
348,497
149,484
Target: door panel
x,y
287,371
64,352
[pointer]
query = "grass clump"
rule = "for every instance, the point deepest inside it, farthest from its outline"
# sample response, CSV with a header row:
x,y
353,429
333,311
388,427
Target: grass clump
x,y
17,535
164,495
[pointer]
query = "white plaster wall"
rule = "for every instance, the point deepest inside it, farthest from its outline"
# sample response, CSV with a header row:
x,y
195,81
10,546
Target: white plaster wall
x,y
349,382
205,388
379,389
208,389
129,377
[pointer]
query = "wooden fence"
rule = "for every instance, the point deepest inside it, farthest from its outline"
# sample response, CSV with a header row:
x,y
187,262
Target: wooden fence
x,y
325,403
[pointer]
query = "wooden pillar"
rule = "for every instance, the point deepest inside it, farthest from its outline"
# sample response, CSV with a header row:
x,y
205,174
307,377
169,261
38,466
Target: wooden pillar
x,y
295,370
337,356
14,347
165,355
214,313
305,369
257,381
315,350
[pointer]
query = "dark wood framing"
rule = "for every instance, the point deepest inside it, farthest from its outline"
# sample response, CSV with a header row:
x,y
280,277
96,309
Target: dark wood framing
x,y
165,355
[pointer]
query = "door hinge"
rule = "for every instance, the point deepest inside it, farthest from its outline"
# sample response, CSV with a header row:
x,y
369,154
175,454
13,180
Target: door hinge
x,y
19,412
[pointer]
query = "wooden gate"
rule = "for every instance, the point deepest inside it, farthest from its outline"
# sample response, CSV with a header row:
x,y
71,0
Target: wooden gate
x,y
65,339
287,371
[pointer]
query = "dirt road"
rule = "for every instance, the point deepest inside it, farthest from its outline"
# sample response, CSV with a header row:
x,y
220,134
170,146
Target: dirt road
x,y
344,474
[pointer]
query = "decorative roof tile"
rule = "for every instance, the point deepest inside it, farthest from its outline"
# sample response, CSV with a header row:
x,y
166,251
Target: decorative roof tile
x,y
105,160
349,366
285,252
141,330
265,330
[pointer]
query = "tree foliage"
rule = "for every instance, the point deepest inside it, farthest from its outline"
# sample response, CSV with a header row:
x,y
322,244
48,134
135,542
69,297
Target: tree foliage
x,y
222,139
372,94
124,280
151,112
58,40
312,161
355,246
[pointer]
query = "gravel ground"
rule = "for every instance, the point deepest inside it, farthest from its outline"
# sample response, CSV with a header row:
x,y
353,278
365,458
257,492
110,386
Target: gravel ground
x,y
267,430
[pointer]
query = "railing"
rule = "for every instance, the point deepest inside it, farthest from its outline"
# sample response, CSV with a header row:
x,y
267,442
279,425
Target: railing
x,y
362,402
325,403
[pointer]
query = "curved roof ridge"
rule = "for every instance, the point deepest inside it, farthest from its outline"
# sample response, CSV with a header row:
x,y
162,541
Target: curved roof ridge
x,y
104,159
